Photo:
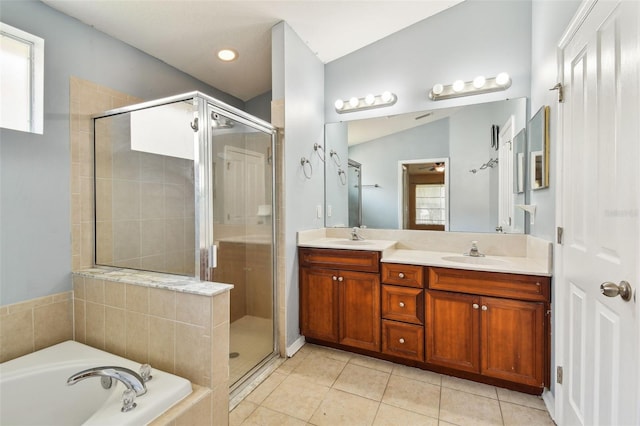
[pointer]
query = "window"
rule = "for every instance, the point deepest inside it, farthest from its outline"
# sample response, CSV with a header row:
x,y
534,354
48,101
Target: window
x,y
430,204
21,80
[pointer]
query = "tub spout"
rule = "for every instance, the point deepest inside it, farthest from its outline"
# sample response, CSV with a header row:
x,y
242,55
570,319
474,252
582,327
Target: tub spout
x,y
129,378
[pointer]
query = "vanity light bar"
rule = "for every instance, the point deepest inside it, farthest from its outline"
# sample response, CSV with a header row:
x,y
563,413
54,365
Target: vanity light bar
x,y
468,88
368,102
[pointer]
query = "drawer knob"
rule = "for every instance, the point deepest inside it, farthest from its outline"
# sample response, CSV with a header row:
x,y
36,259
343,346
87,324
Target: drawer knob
x,y
401,340
401,275
475,306
340,279
484,307
401,304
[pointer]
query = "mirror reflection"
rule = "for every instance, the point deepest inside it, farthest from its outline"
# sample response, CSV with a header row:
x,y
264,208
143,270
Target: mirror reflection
x,y
480,184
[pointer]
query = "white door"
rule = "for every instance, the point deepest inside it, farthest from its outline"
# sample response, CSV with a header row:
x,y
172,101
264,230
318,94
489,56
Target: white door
x,y
599,175
244,185
505,177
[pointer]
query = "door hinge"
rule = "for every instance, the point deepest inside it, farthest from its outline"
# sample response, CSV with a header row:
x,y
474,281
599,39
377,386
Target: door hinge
x,y
560,90
559,375
559,232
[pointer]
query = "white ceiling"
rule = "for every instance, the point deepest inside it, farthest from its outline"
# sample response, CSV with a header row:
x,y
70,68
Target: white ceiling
x,y
187,33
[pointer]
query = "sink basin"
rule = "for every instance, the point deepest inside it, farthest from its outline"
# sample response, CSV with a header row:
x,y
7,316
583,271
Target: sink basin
x,y
353,242
475,260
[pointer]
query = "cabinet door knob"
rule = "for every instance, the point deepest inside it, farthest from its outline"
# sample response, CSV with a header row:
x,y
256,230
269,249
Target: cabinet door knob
x,y
334,278
401,340
475,306
401,275
484,307
340,279
401,304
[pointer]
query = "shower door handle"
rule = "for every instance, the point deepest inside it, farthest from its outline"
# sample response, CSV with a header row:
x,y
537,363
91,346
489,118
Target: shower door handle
x,y
213,256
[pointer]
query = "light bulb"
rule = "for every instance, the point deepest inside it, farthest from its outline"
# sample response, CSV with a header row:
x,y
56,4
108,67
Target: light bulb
x,y
354,102
502,79
339,104
437,89
479,81
386,96
458,86
369,99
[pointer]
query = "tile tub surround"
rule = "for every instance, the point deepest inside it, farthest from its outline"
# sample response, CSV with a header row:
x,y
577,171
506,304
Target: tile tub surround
x,y
29,326
177,324
525,254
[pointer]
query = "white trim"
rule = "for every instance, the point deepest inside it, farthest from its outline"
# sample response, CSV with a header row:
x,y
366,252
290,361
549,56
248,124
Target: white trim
x,y
549,402
576,22
295,347
444,160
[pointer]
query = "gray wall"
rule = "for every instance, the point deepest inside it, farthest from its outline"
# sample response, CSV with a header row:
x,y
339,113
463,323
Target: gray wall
x,y
380,166
472,38
260,106
35,255
298,77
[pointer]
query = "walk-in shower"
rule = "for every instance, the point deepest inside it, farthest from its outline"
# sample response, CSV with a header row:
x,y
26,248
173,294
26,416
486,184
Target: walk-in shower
x,y
185,185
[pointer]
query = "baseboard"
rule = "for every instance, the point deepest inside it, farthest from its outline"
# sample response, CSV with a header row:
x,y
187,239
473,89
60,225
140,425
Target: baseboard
x,y
550,402
295,347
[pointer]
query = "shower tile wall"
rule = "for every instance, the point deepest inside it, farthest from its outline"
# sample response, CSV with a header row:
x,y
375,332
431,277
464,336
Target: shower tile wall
x,y
145,204
86,99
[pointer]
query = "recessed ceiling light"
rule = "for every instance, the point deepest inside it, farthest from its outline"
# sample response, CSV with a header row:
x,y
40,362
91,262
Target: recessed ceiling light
x,y
227,55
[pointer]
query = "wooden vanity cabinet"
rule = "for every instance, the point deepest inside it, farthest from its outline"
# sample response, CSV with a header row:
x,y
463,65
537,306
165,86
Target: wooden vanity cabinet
x,y
340,305
403,311
500,337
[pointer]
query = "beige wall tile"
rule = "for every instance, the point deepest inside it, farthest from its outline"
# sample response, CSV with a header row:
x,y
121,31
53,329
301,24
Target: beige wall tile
x,y
79,321
221,308
114,294
126,240
162,303
152,201
162,343
94,323
152,237
220,353
137,326
220,404
78,287
16,335
193,309
52,324
137,298
115,331
193,356
94,290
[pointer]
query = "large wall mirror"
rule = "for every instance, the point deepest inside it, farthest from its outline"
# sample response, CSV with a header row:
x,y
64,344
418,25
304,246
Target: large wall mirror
x,y
454,169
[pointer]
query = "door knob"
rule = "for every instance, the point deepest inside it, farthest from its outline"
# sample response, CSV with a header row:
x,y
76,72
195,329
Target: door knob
x,y
623,289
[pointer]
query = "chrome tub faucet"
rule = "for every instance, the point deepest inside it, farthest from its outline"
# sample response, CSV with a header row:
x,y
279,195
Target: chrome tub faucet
x,y
132,380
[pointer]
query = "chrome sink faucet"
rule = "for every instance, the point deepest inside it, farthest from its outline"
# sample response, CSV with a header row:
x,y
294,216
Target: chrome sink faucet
x,y
473,251
132,380
355,236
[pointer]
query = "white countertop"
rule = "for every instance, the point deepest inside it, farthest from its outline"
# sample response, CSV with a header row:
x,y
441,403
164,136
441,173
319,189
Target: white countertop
x,y
537,262
347,244
512,265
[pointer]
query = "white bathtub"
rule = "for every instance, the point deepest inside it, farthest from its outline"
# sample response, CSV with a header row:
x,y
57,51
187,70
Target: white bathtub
x,y
34,390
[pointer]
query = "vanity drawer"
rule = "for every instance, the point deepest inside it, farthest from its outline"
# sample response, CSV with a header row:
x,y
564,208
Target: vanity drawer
x,y
513,286
403,304
405,275
350,260
403,340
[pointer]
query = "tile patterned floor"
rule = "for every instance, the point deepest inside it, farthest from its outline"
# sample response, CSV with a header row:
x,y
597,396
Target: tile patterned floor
x,y
322,386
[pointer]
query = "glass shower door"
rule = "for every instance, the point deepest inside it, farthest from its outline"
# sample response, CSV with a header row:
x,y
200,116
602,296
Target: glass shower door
x,y
242,186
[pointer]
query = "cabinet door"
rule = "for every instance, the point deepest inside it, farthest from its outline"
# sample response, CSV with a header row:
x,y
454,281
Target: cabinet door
x,y
453,330
360,310
513,340
319,303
